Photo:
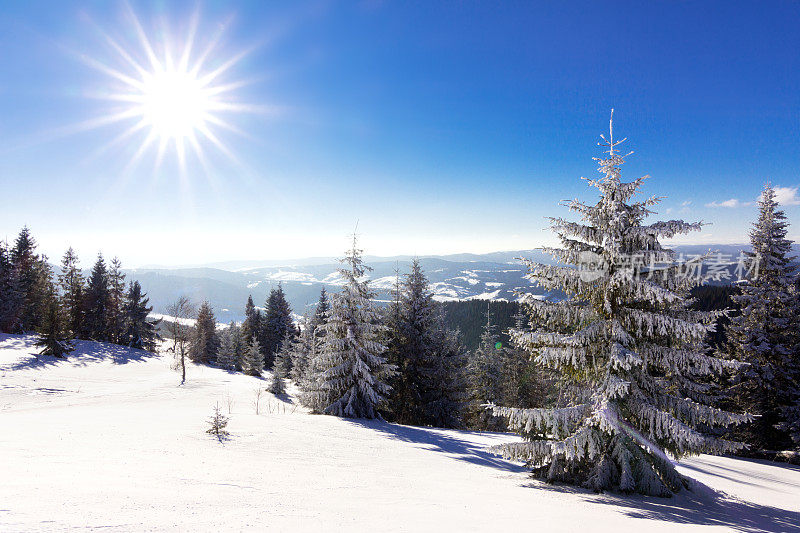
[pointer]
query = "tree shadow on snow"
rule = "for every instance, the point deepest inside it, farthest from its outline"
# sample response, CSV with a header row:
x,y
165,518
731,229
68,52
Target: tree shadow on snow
x,y
435,439
84,353
701,506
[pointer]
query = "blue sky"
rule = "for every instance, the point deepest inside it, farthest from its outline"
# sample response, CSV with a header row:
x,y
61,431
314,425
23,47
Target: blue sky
x,y
437,127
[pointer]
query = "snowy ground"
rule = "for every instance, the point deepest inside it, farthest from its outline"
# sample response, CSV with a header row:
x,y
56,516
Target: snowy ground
x,y
108,440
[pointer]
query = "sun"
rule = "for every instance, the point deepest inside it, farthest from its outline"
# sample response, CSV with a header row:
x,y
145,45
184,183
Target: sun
x,y
175,104
173,95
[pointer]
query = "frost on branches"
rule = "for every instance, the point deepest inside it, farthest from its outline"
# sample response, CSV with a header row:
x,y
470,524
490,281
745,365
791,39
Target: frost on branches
x,y
628,341
350,369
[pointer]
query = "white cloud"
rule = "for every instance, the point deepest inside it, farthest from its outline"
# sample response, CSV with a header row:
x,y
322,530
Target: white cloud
x,y
687,203
733,202
787,195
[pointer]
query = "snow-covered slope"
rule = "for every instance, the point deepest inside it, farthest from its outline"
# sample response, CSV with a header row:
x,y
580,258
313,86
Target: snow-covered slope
x,y
107,439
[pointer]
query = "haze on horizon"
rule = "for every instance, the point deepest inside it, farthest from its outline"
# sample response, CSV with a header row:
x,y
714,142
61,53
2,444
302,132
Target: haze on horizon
x,y
175,134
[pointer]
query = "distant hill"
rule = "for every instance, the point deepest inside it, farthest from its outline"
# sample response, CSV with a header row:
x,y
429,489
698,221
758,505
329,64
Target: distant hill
x,y
493,276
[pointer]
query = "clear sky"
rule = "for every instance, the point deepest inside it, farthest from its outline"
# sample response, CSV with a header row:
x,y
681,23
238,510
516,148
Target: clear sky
x,y
438,127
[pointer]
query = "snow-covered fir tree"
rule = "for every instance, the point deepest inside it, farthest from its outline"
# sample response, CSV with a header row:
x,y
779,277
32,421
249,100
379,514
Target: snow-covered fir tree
x,y
72,288
226,355
281,369
218,423
205,341
627,337
253,360
350,371
765,335
138,331
301,349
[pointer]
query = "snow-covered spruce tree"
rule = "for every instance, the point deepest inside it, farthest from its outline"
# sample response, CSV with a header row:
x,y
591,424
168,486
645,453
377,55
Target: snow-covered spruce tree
x,y
253,363
282,367
353,370
628,338
301,349
218,422
226,355
765,335
205,341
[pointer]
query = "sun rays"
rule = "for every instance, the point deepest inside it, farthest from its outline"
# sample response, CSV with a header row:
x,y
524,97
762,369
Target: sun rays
x,y
170,93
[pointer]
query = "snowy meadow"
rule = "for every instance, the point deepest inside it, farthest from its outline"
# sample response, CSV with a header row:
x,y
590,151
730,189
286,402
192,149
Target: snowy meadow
x,y
106,439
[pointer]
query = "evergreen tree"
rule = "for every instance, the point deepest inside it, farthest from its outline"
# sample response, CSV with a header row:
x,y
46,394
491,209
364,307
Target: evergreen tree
x,y
115,315
354,371
252,321
321,311
484,369
765,335
218,422
444,400
283,365
138,331
421,348
253,360
54,337
227,356
627,337
523,382
32,280
302,349
72,289
205,341
97,298
278,325
10,292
